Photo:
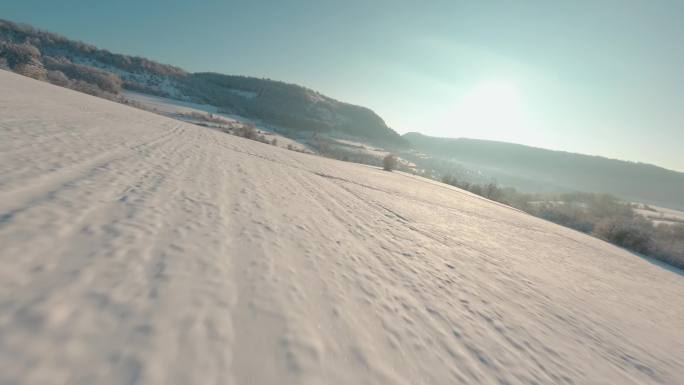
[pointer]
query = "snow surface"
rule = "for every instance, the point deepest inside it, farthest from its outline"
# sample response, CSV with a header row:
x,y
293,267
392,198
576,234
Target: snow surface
x,y
660,215
168,106
138,249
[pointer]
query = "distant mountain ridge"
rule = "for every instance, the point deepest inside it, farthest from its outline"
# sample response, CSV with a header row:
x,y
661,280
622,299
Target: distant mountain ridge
x,y
52,57
524,166
48,56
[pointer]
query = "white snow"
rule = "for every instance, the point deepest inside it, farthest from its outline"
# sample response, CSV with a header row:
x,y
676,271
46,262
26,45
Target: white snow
x,y
166,105
137,249
660,215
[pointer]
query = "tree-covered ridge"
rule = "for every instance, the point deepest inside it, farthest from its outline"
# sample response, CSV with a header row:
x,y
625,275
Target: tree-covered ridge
x,y
48,56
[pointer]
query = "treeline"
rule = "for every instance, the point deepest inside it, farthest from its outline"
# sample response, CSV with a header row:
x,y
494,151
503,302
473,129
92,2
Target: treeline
x,y
51,44
50,57
27,60
105,81
537,169
601,215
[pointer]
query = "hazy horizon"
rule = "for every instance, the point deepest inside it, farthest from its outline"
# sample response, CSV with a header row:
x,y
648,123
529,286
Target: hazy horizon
x,y
587,78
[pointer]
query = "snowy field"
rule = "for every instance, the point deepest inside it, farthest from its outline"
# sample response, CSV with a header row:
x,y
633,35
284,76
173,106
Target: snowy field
x,y
137,249
659,215
183,111
166,105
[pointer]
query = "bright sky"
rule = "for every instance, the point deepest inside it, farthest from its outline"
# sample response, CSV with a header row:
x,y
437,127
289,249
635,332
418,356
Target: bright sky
x,y
603,78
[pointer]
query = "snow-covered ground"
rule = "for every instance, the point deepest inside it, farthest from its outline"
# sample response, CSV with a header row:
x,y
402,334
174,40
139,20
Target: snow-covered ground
x,y
659,215
166,105
184,111
137,249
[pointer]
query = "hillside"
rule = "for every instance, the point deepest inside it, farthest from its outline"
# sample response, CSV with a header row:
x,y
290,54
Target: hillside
x,y
536,169
81,66
137,249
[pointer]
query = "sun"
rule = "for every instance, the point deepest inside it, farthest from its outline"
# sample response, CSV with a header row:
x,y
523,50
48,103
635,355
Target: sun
x,y
488,107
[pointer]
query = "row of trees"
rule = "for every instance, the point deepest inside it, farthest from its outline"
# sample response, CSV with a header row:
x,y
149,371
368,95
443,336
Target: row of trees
x,y
21,58
52,44
601,215
27,60
105,81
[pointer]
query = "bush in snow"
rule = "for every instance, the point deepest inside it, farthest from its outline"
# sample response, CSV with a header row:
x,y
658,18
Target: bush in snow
x,y
247,131
105,81
389,162
18,54
58,78
635,234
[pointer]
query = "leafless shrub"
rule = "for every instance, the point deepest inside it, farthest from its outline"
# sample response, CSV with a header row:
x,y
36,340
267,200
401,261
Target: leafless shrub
x,y
566,215
669,244
601,215
105,81
492,191
18,54
248,131
389,162
58,78
23,59
635,234
205,117
33,69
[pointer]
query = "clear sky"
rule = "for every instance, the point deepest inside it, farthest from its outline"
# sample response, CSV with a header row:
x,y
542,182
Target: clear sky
x,y
599,77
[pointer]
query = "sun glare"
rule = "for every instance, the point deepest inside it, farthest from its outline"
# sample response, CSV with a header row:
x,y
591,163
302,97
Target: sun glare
x,y
489,107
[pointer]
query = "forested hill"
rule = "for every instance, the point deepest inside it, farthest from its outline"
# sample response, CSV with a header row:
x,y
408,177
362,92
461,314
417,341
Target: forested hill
x,y
48,56
560,170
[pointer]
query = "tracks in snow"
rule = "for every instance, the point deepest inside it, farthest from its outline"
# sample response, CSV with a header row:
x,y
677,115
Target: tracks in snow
x,y
139,250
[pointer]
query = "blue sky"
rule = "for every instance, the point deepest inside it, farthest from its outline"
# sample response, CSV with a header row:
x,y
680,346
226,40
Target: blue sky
x,y
597,77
